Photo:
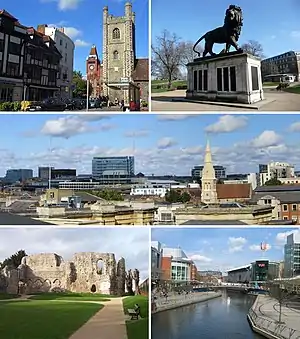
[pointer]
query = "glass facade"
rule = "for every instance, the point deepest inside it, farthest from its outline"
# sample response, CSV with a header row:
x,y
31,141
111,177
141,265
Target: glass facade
x,y
291,257
180,271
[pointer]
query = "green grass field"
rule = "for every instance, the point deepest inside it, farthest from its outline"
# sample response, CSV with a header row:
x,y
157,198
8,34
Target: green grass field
x,y
158,86
137,329
270,83
36,319
294,89
4,296
72,296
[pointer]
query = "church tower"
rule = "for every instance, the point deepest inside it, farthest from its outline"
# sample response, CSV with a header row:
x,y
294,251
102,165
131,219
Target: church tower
x,y
118,53
208,180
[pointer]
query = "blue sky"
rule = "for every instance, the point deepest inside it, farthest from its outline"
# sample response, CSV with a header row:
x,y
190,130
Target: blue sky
x,y
83,19
66,242
275,24
226,248
161,144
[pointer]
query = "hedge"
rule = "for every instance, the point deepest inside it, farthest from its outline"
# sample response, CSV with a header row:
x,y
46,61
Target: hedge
x,y
15,106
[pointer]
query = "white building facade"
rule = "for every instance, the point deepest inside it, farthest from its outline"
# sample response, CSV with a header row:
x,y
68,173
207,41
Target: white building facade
x,y
275,170
66,47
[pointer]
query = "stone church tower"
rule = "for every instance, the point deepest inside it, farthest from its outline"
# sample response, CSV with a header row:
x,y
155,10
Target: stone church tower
x,y
208,181
118,54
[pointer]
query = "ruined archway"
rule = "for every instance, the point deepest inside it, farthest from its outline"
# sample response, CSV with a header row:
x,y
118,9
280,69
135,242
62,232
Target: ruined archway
x,y
93,288
100,266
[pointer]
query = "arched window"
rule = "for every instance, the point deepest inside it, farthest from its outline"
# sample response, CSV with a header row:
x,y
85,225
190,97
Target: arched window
x,y
116,33
116,55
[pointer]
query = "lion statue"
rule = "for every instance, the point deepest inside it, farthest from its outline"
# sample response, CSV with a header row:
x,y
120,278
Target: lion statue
x,y
228,34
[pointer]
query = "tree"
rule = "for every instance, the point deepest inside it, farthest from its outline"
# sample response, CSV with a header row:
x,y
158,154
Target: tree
x,y
109,195
80,85
253,47
282,296
169,54
273,182
14,261
174,196
185,197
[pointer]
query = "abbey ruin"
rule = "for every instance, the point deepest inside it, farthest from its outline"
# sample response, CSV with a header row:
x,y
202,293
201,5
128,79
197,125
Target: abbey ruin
x,y
48,272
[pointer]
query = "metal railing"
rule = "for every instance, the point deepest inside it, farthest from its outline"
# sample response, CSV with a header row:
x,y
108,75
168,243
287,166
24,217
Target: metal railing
x,y
272,327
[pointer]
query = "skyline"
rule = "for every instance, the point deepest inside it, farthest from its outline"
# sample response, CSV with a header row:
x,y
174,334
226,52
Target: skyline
x,y
82,20
257,25
231,248
133,245
159,142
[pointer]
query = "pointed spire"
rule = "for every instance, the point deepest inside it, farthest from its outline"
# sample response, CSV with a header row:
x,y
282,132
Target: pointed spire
x,y
207,157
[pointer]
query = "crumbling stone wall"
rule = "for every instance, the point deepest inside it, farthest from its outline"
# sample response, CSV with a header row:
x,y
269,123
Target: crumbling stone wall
x,y
48,271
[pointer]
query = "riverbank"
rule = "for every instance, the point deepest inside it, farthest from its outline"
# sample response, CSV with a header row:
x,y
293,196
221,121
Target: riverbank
x,y
175,301
263,318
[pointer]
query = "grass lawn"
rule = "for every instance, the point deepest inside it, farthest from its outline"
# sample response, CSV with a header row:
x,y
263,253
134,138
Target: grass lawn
x,y
137,329
293,89
8,296
38,319
163,85
72,296
270,83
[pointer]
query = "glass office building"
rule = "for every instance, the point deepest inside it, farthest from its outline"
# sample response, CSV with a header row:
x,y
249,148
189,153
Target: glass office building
x,y
181,265
113,169
292,256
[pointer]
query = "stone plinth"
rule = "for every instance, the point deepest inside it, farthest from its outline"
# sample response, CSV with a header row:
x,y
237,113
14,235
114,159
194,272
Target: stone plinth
x,y
233,77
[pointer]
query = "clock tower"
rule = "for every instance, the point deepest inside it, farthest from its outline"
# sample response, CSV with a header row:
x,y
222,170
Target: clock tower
x,y
93,72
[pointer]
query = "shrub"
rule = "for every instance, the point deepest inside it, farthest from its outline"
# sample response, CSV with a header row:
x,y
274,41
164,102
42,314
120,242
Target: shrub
x,y
10,106
144,103
181,87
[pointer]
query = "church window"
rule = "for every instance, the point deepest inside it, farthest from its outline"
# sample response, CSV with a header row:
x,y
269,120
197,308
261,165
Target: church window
x,y
116,33
116,55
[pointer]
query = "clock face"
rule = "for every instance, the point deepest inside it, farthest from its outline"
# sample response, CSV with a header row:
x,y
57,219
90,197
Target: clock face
x,y
91,67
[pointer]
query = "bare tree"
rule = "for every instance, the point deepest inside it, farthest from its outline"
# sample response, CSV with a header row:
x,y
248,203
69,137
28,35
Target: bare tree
x,y
253,47
281,295
169,53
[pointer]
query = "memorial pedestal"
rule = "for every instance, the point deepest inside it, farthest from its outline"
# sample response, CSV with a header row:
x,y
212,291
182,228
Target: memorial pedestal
x,y
232,77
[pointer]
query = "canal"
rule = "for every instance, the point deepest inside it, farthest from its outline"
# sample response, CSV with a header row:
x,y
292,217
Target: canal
x,y
222,318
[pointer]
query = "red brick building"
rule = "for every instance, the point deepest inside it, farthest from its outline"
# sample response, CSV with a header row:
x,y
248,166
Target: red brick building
x,y
94,73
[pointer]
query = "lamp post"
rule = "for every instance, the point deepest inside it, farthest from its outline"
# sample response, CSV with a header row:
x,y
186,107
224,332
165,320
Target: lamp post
x,y
87,93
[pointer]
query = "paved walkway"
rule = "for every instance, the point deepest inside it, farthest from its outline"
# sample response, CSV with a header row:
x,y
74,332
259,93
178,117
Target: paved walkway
x,y
275,101
108,323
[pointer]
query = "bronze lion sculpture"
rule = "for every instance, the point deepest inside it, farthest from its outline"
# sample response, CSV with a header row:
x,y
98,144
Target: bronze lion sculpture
x,y
228,34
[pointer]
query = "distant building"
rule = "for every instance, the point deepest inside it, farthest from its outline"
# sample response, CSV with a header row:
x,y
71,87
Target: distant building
x,y
18,175
220,172
13,37
286,64
43,172
275,170
113,169
292,255
66,47
94,73
156,257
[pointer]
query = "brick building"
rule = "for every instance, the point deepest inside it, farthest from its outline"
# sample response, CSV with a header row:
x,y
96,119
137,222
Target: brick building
x,y
94,73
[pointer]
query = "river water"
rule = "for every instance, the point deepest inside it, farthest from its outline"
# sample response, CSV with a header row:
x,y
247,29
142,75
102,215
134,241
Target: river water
x,y
220,318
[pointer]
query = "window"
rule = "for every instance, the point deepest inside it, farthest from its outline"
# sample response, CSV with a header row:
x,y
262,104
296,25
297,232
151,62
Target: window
x,y
254,75
219,79
51,195
232,79
200,80
116,55
14,48
60,42
12,69
226,79
294,208
285,207
285,218
116,33
6,94
66,46
205,80
195,80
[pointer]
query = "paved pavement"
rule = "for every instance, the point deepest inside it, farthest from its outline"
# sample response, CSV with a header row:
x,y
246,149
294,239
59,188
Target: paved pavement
x,y
268,308
275,101
108,323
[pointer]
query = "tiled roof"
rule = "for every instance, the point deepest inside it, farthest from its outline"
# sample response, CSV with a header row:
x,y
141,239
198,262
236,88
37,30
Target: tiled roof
x,y
284,197
231,191
93,51
141,70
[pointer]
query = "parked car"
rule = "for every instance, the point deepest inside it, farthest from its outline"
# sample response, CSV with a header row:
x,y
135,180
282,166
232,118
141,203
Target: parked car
x,y
51,104
95,103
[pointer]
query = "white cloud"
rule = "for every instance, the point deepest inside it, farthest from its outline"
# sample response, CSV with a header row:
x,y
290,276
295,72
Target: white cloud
x,y
64,5
295,127
175,117
266,139
72,32
137,133
81,43
130,243
200,258
257,248
236,244
166,142
227,124
282,236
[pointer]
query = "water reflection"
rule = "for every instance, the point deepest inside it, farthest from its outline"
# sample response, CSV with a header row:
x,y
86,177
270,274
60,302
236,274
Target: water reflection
x,y
224,318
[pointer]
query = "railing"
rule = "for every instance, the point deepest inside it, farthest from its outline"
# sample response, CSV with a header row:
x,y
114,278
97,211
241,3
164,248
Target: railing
x,y
272,327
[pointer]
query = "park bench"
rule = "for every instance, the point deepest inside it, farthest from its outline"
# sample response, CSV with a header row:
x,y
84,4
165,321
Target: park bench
x,y
134,312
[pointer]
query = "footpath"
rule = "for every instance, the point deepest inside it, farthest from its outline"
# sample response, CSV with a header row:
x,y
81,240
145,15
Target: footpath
x,y
160,304
264,319
108,323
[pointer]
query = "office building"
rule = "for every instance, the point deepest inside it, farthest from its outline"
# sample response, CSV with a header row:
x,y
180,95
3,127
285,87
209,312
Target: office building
x,y
156,257
66,47
282,66
113,169
292,255
17,175
220,172
275,170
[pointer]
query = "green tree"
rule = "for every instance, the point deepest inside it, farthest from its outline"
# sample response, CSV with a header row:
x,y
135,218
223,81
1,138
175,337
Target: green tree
x,y
109,195
80,85
174,196
185,197
14,261
273,182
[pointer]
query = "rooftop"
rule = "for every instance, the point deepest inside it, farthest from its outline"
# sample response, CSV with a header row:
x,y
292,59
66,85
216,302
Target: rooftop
x,y
14,219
